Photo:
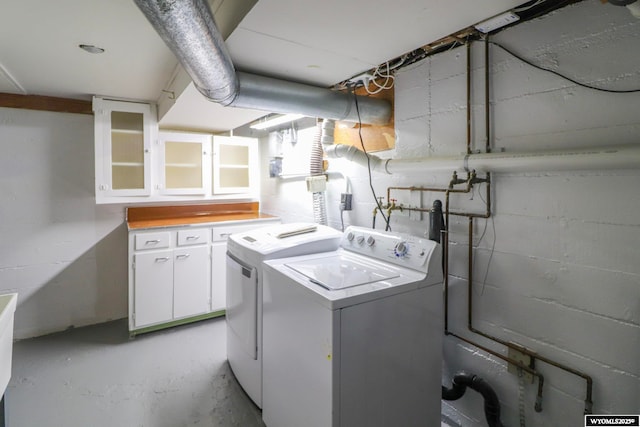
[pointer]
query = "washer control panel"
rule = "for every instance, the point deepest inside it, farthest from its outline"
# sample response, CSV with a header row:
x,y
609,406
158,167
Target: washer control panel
x,y
397,248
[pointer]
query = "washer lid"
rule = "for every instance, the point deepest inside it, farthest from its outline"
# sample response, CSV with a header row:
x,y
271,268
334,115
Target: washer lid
x,y
338,272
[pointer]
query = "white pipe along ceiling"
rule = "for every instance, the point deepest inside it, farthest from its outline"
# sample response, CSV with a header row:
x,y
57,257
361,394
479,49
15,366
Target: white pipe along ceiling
x,y
189,30
614,157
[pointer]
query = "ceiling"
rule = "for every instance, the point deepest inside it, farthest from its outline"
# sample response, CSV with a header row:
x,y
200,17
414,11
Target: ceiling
x,y
318,43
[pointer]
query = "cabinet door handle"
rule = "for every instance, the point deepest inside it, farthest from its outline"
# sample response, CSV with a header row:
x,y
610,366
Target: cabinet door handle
x,y
223,235
162,259
182,256
193,237
152,242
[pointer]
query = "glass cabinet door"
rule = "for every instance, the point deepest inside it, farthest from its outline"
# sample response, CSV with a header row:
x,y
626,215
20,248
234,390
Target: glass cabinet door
x,y
235,164
184,163
123,135
127,150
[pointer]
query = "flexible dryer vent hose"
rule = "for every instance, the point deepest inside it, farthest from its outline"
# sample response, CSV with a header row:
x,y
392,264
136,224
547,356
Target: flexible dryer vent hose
x,y
315,169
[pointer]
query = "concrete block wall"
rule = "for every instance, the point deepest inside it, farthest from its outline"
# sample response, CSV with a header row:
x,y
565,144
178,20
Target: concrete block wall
x,y
63,254
557,267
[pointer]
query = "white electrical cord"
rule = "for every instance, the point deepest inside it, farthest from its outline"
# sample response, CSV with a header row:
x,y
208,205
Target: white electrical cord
x,y
378,74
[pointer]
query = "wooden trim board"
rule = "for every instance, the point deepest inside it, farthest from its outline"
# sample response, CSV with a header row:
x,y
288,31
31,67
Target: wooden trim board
x,y
45,103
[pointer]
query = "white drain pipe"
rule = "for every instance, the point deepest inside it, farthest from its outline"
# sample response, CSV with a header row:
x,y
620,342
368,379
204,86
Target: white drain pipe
x,y
614,157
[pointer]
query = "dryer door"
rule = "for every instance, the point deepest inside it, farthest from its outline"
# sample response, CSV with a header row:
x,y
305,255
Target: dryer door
x,y
242,304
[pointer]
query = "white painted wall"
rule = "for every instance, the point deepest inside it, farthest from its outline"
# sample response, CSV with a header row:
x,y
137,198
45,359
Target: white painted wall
x,y
65,256
563,276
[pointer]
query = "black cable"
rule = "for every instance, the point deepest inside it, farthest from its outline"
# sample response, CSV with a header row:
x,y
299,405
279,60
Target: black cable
x,y
386,220
510,52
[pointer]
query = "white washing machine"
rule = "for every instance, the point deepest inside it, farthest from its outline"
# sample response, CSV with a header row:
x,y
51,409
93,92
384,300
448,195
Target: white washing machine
x,y
245,253
353,337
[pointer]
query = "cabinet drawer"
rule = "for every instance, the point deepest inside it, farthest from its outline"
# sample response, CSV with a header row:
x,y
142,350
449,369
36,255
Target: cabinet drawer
x,y
152,240
197,236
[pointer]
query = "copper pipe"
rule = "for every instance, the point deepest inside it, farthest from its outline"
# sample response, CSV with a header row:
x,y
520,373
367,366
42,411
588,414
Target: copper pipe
x,y
468,97
470,216
445,249
427,189
522,349
518,363
533,355
445,274
488,190
470,273
487,103
538,404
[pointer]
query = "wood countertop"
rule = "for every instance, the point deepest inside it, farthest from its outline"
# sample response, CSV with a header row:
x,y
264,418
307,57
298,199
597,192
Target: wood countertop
x,y
170,216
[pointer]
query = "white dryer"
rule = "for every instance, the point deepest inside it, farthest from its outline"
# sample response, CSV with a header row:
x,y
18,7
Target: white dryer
x,y
245,253
353,337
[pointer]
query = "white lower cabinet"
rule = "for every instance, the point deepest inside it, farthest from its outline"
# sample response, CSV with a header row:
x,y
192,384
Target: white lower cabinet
x,y
169,285
153,288
191,282
178,274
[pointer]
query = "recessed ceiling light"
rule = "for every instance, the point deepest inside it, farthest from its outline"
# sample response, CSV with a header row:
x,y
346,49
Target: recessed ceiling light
x,y
91,48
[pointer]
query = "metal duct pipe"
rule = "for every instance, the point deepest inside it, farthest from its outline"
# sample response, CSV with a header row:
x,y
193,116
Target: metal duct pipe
x,y
280,96
189,30
616,157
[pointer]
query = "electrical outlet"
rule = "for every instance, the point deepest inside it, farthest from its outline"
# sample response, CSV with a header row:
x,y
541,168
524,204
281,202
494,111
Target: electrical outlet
x,y
520,357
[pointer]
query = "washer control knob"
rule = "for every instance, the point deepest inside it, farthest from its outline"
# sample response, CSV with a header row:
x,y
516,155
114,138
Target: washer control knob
x,y
360,240
371,241
401,249
350,236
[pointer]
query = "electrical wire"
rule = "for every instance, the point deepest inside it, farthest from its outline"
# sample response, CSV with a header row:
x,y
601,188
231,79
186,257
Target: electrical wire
x,y
484,232
388,82
365,78
375,198
526,61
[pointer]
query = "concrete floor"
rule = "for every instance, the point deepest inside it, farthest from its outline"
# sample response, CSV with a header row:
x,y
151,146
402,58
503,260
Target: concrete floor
x,y
96,376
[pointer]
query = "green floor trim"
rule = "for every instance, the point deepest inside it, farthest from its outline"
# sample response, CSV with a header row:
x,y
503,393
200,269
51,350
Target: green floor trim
x,y
176,323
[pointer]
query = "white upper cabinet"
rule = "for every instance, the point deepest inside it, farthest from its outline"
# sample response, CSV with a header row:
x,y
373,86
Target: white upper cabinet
x,y
235,161
185,163
123,135
137,163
